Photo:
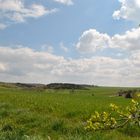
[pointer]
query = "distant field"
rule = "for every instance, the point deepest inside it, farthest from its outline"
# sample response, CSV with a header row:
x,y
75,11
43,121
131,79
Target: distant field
x,y
57,114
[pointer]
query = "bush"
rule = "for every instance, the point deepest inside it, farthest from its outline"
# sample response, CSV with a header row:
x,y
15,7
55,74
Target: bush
x,y
116,118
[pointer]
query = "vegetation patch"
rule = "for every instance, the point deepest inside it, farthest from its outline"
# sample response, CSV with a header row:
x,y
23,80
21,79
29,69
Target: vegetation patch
x,y
58,115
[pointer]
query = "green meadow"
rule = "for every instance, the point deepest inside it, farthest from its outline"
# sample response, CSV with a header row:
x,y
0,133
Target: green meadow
x,y
58,114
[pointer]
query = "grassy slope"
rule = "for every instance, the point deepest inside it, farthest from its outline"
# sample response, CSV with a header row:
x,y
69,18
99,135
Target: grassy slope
x,y
58,114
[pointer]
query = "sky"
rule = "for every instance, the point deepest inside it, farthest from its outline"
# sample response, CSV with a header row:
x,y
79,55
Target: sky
x,y
70,41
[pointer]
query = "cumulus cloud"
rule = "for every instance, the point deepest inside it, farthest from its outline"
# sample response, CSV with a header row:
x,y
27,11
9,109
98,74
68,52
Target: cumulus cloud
x,y
23,64
128,41
2,26
92,41
47,48
62,47
66,2
17,11
129,10
26,65
2,67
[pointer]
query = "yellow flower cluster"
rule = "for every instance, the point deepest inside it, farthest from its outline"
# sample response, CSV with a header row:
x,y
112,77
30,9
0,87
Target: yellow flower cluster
x,y
100,121
114,107
138,95
118,118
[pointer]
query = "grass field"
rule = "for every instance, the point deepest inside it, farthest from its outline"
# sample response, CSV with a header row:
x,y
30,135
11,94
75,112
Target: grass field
x,y
57,114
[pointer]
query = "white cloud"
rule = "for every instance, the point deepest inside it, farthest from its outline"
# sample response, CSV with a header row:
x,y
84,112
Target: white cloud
x,y
2,67
65,49
23,64
128,41
92,41
47,48
26,65
110,69
129,10
2,26
17,11
66,2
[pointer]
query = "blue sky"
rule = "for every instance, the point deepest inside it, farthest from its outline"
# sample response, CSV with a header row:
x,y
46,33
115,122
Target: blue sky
x,y
96,32
66,25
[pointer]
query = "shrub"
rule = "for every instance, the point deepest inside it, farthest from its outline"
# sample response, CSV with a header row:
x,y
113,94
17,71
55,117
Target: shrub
x,y
117,118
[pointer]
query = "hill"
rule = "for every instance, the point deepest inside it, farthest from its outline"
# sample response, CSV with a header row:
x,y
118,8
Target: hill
x,y
43,86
